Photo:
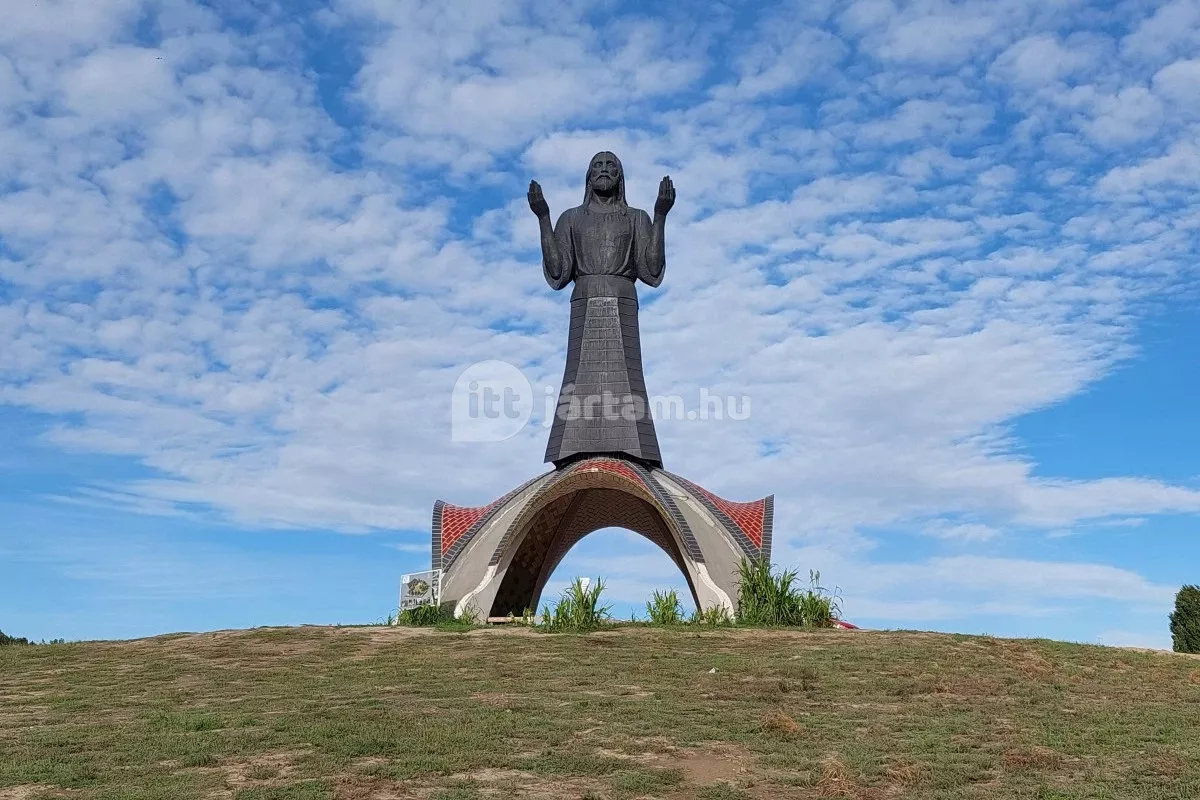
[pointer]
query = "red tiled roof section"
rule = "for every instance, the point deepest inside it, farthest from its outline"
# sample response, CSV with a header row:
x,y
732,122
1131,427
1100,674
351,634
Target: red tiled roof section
x,y
457,520
748,516
610,465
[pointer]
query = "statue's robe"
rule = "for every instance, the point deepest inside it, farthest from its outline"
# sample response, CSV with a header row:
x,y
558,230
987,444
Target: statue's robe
x,y
604,250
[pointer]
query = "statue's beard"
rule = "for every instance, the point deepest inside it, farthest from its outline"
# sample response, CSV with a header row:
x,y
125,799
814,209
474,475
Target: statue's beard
x,y
603,184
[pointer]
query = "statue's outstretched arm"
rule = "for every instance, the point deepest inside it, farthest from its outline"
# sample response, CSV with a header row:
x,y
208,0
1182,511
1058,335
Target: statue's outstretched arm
x,y
652,251
557,256
651,235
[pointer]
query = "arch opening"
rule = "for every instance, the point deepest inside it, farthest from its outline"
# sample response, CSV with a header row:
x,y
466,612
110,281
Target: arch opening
x,y
545,540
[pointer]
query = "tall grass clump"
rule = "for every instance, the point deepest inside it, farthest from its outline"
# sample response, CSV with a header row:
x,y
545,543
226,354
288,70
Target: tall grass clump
x,y
664,608
425,616
713,617
578,609
769,598
1185,621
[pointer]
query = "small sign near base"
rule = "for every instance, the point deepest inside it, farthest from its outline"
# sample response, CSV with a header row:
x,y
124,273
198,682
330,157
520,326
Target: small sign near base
x,y
419,589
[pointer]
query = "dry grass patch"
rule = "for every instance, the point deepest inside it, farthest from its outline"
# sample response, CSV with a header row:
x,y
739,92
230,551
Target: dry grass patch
x,y
779,722
836,779
1168,765
907,773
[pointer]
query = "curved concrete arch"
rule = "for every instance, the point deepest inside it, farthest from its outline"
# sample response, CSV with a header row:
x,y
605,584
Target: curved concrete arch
x,y
547,540
496,559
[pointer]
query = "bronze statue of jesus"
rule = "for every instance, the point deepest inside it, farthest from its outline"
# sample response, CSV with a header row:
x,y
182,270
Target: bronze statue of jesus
x,y
604,246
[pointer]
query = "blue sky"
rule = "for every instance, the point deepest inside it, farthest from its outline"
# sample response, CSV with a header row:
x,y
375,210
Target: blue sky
x,y
947,249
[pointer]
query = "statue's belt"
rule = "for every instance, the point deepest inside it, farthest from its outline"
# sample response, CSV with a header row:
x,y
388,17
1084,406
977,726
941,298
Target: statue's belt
x,y
588,286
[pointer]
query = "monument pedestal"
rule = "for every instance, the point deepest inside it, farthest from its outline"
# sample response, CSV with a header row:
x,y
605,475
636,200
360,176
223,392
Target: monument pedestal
x,y
496,559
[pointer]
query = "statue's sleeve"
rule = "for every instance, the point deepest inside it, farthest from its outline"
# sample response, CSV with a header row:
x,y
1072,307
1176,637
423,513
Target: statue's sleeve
x,y
647,250
566,253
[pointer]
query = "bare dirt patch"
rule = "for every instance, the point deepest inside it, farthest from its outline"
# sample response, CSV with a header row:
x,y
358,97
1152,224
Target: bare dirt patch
x,y
265,769
713,764
633,758
29,790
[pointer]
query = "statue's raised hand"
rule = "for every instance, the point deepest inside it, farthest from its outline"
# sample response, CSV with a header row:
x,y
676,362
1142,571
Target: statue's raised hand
x,y
537,203
666,197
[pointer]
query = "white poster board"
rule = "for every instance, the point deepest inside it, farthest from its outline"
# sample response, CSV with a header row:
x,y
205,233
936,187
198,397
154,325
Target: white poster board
x,y
419,589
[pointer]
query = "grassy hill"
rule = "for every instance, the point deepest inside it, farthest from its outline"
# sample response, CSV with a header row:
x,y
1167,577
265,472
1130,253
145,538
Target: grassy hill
x,y
309,713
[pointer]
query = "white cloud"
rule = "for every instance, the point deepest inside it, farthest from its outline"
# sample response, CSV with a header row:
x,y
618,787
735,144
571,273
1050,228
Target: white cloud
x,y
964,531
936,39
1173,28
488,78
785,58
1128,116
1040,60
1180,166
120,84
1177,83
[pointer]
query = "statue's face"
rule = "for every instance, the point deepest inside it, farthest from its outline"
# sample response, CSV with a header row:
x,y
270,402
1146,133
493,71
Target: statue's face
x,y
605,172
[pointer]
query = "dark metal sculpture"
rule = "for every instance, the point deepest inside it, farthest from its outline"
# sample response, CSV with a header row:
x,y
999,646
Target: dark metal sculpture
x,y
604,246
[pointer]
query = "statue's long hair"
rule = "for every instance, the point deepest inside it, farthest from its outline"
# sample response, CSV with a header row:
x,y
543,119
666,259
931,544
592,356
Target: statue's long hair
x,y
587,183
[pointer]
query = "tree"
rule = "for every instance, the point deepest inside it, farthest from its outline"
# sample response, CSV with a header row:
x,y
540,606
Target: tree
x,y
4,639
1185,621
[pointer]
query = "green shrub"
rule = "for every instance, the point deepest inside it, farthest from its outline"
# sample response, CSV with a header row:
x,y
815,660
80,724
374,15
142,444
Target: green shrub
x,y
767,598
664,608
1185,620
7,640
578,609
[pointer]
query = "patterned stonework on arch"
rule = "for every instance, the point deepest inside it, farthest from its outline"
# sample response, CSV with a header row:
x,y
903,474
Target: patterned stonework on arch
x,y
559,525
668,504
622,468
594,510
592,473
455,526
749,523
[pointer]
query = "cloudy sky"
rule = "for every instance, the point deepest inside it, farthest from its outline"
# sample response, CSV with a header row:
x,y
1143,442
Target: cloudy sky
x,y
947,249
